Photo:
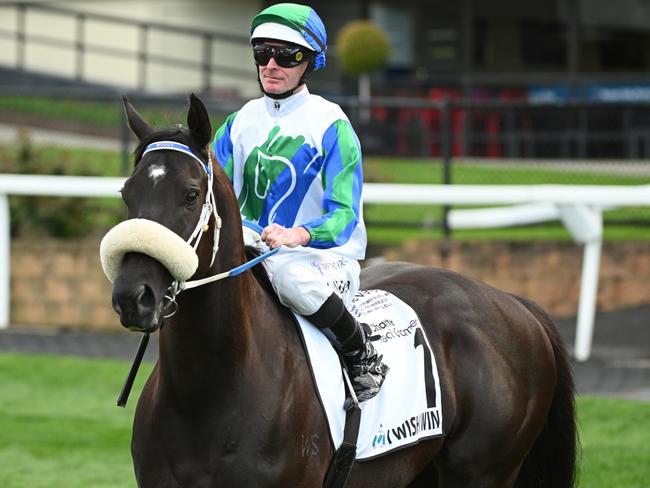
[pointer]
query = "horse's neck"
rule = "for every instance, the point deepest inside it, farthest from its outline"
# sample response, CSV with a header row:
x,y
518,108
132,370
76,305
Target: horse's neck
x,y
215,333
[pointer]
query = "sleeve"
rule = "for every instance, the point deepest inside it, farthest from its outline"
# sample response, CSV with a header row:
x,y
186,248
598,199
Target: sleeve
x,y
222,145
342,184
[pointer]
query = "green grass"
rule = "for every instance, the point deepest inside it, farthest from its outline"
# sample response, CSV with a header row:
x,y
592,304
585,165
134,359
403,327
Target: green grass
x,y
59,426
100,114
25,157
614,436
429,171
103,114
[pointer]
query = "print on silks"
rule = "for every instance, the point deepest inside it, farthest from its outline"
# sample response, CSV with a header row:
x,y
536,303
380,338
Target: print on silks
x,y
270,176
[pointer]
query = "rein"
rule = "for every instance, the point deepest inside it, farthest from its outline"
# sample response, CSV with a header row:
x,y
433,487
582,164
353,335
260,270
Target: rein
x,y
179,286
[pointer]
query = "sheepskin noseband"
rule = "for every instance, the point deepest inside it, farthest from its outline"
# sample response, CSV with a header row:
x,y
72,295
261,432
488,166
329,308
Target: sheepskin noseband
x,y
150,238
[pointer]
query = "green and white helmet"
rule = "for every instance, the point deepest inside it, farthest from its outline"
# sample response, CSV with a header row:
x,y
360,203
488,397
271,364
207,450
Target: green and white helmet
x,y
294,23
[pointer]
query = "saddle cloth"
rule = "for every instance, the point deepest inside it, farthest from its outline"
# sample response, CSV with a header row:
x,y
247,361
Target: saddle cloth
x,y
408,407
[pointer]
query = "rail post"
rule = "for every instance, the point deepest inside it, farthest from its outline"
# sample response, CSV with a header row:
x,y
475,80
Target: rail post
x,y
143,56
21,36
80,45
207,63
585,223
124,138
588,299
5,263
445,151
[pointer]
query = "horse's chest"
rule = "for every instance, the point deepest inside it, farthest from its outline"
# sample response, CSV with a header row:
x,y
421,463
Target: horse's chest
x,y
238,452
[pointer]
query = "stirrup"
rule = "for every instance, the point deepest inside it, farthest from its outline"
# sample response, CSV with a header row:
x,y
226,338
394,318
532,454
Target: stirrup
x,y
367,372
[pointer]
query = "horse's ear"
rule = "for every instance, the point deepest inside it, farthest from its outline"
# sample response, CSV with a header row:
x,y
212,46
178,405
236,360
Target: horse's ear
x,y
138,125
199,122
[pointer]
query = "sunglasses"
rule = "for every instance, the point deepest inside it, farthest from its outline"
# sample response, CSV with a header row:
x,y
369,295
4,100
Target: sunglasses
x,y
286,57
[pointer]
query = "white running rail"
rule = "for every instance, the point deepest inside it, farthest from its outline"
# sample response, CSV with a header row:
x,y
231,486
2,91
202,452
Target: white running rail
x,y
578,207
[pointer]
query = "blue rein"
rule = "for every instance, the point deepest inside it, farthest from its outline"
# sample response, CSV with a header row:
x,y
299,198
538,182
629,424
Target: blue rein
x,y
240,269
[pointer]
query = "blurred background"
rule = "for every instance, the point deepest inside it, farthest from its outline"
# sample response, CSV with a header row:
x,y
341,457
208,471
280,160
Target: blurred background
x,y
464,92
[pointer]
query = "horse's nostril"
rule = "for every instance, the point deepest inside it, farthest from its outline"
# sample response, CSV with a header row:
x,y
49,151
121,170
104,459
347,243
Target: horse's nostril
x,y
145,300
116,305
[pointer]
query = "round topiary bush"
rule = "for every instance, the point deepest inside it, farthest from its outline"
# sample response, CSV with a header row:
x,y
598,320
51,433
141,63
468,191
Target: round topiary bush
x,y
362,47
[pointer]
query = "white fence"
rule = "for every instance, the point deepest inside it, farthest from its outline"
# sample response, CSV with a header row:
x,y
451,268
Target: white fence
x,y
578,207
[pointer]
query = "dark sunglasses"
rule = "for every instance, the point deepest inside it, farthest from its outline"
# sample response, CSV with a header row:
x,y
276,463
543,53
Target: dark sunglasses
x,y
286,57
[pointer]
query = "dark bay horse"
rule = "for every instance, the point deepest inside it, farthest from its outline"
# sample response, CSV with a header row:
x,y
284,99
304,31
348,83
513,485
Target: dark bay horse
x,y
231,402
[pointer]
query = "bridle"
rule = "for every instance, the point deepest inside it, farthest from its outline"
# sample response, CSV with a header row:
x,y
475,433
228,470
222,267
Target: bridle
x,y
209,206
209,209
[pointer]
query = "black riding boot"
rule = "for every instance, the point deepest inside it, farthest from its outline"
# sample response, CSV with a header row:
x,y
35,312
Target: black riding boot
x,y
365,367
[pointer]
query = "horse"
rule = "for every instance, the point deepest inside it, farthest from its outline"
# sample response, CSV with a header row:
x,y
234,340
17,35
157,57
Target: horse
x,y
231,402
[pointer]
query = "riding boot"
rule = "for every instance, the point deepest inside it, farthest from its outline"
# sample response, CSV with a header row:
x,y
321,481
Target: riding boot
x,y
365,367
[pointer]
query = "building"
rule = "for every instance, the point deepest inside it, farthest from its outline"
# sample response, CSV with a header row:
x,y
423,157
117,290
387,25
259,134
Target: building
x,y
549,50
543,52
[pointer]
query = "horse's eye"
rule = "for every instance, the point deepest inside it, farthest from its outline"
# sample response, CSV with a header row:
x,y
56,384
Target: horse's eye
x,y
192,196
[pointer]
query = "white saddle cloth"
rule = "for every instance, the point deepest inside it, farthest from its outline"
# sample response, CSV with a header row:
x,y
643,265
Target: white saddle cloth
x,y
408,407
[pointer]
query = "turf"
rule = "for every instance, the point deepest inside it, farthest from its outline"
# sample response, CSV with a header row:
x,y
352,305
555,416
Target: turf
x,y
59,426
614,436
108,114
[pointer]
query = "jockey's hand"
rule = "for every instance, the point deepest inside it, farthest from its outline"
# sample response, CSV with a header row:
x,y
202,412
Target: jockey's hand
x,y
275,236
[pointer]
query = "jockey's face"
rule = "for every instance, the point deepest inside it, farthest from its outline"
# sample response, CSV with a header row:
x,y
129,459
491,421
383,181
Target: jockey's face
x,y
276,79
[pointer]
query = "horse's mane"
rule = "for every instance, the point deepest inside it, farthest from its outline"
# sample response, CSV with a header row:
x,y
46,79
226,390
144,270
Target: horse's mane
x,y
259,272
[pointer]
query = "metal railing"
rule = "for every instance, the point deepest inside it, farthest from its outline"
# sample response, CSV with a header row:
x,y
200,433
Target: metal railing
x,y
420,127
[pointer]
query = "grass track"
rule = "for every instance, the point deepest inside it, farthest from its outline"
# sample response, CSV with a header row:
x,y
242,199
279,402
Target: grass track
x,y
59,427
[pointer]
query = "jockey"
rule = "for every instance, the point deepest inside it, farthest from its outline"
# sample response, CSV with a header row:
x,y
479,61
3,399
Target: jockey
x,y
295,165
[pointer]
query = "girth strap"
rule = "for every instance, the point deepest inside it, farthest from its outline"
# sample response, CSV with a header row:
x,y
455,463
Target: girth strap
x,y
339,471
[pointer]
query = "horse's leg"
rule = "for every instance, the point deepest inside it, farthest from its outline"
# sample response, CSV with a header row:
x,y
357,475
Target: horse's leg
x,y
499,410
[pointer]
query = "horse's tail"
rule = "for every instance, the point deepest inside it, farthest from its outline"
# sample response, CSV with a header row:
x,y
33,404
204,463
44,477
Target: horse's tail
x,y
552,459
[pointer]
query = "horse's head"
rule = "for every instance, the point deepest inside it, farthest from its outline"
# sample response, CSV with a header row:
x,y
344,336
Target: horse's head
x,y
169,209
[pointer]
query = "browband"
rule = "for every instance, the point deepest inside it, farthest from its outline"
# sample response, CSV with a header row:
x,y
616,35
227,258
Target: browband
x,y
176,146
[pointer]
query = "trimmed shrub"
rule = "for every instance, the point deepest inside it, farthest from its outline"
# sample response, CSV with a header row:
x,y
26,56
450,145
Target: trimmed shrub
x,y
54,216
362,47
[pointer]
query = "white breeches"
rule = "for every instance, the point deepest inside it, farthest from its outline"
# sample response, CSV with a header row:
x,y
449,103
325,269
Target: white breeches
x,y
304,277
